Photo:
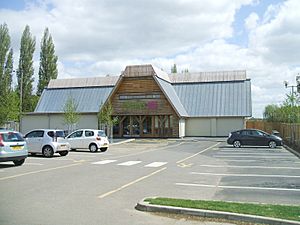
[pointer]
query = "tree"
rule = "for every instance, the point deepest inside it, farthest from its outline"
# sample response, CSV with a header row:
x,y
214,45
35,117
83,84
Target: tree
x,y
174,68
6,70
71,116
105,117
48,62
25,71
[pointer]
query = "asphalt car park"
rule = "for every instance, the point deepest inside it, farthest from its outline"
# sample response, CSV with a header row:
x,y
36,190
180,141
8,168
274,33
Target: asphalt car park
x,y
103,187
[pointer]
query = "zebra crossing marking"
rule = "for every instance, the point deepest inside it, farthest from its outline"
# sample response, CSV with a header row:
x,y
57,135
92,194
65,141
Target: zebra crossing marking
x,y
103,162
156,164
129,163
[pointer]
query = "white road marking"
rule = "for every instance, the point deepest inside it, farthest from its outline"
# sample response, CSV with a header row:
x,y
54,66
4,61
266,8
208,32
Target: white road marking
x,y
245,175
240,160
267,157
129,163
252,153
249,167
238,187
180,161
103,162
156,164
131,183
37,164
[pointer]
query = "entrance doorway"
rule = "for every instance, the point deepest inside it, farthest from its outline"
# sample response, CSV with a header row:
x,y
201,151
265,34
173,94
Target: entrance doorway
x,y
144,126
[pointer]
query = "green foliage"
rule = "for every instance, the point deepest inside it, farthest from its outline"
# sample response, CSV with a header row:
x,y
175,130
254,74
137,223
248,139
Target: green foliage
x,y
288,112
71,116
9,110
25,70
6,61
105,115
174,68
48,62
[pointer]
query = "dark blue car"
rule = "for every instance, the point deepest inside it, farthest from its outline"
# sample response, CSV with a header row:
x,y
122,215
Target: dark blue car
x,y
253,137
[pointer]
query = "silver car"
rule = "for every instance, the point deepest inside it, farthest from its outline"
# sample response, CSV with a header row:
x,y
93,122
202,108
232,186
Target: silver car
x,y
47,142
88,139
12,147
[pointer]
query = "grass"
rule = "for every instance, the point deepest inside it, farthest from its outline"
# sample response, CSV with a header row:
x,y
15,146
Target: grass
x,y
287,212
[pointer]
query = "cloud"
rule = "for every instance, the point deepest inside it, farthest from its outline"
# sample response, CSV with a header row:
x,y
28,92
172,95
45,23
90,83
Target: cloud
x,y
251,21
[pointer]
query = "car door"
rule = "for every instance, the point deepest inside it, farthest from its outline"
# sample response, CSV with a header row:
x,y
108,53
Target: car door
x,y
260,138
88,138
34,140
245,137
75,139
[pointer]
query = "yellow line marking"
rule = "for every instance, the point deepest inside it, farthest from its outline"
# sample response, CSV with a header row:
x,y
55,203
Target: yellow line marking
x,y
131,183
183,165
38,171
180,161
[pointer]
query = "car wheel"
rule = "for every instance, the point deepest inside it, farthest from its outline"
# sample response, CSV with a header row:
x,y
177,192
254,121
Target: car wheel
x,y
64,153
48,151
103,149
19,162
272,144
93,148
237,144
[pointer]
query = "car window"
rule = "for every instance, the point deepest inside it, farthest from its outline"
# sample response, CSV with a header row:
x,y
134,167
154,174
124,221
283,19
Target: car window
x,y
60,133
101,133
51,133
245,132
35,134
257,133
76,134
11,137
89,133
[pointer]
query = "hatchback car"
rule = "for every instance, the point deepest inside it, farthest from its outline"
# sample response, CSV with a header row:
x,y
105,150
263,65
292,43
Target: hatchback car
x,y
88,139
47,142
253,137
12,147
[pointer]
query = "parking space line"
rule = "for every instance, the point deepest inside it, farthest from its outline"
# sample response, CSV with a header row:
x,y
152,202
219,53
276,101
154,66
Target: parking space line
x,y
39,171
245,175
249,167
131,183
180,161
246,156
238,187
253,153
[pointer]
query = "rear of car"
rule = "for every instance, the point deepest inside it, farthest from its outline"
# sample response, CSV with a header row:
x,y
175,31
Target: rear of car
x,y
47,142
88,139
12,147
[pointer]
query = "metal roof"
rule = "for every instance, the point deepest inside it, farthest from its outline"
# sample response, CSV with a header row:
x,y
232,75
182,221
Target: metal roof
x,y
216,99
214,76
88,99
172,96
83,82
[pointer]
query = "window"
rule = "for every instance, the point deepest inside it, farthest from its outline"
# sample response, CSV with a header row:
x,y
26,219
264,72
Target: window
x,y
141,96
89,133
35,134
11,137
76,134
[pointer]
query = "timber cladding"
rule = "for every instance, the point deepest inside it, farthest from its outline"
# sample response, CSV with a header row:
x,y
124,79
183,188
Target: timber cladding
x,y
141,96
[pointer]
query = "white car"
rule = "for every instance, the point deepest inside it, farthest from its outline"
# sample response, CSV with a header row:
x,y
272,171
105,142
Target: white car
x,y
88,139
47,142
12,147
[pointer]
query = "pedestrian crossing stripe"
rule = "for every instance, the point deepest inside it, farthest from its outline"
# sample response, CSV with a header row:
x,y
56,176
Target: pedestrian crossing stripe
x,y
104,162
130,163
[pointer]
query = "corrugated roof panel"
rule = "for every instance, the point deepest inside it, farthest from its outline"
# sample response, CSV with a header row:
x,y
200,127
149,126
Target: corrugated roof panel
x,y
88,99
168,89
216,99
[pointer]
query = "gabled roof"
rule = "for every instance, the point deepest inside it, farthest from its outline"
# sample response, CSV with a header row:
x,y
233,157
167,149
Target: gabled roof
x,y
207,94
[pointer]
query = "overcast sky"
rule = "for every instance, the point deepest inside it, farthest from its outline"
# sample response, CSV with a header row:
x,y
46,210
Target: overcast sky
x,y
100,37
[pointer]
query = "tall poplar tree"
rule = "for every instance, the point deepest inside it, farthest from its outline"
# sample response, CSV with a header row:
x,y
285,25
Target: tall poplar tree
x,y
48,62
25,71
6,71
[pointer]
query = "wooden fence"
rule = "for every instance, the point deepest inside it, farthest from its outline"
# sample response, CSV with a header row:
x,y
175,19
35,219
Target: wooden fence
x,y
290,132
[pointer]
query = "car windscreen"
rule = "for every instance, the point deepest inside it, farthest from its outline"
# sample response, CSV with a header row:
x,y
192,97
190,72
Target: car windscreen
x,y
11,137
101,133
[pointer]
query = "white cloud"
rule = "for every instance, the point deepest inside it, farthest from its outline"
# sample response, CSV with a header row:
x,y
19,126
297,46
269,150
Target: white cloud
x,y
95,38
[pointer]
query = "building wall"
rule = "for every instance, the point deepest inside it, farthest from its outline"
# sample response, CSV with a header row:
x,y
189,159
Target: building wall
x,y
56,121
213,126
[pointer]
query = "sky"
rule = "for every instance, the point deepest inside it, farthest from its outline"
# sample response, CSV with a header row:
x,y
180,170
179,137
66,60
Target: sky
x,y
101,37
